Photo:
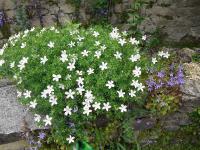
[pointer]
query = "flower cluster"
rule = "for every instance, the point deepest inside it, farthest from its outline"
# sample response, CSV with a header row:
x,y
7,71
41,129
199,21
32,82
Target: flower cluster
x,y
74,75
166,79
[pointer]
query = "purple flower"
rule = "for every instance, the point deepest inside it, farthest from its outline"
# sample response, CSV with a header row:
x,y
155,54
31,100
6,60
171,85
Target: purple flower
x,y
171,82
181,81
161,74
151,84
42,135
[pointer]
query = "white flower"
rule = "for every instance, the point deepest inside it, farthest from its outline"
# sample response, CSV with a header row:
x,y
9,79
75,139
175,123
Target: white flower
x,y
80,38
80,89
70,94
137,71
106,106
166,55
123,108
135,83
85,53
53,100
64,56
71,44
43,29
51,44
115,34
97,43
21,66
23,45
12,65
37,118
56,77
115,29
133,41
90,71
32,29
132,93
144,37
56,31
62,86
43,60
68,77
96,106
103,66
52,28
122,42
135,58
140,87
19,94
78,72
110,84
67,110
27,94
154,60
95,34
97,54
103,47
50,89
80,81
163,54
121,93
70,139
87,110
22,63
118,55
71,66
2,62
24,60
88,94
47,121
33,104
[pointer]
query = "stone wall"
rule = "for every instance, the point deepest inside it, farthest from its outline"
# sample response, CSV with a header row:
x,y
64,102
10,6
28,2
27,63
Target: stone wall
x,y
40,13
178,21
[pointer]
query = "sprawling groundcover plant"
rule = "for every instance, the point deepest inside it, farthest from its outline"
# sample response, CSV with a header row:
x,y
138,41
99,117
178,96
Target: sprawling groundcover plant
x,y
73,79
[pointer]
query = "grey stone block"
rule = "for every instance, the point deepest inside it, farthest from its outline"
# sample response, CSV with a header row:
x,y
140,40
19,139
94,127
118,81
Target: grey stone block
x,y
12,115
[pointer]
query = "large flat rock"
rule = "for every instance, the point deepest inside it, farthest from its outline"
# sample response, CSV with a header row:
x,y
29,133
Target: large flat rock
x,y
12,114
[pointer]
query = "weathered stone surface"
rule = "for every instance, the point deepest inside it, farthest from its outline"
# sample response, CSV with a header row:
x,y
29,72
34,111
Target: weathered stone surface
x,y
66,8
178,20
64,18
19,145
49,20
118,8
144,123
1,35
7,4
12,113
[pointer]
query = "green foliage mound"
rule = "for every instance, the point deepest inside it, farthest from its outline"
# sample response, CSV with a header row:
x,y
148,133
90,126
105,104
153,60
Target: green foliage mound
x,y
77,81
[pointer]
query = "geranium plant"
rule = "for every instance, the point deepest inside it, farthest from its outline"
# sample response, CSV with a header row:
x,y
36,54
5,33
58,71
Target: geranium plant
x,y
72,77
